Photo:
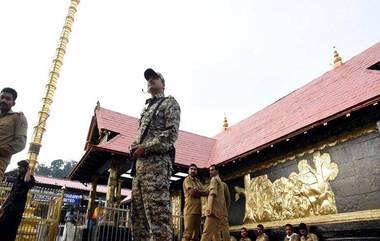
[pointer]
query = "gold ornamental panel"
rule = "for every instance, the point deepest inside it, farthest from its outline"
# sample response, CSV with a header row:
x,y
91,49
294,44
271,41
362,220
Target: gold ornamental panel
x,y
303,194
176,212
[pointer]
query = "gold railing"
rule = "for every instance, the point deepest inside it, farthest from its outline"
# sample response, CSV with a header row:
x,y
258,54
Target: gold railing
x,y
42,213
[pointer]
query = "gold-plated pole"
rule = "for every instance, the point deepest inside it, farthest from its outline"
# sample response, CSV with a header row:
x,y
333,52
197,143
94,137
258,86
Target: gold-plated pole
x,y
47,100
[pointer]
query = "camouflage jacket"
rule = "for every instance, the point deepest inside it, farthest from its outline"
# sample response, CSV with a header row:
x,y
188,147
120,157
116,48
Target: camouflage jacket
x,y
162,131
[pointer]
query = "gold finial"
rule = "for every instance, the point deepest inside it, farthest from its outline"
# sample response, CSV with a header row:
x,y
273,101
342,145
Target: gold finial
x,y
337,58
225,122
97,105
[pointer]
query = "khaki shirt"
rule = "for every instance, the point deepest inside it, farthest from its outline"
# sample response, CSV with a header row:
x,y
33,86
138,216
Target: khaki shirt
x,y
309,237
245,239
295,237
216,188
13,127
262,237
193,204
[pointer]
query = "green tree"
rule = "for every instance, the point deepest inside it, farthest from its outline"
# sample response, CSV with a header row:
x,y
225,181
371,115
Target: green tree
x,y
58,168
43,170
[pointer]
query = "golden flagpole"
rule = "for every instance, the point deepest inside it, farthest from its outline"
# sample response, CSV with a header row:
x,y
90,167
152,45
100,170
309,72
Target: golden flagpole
x,y
47,100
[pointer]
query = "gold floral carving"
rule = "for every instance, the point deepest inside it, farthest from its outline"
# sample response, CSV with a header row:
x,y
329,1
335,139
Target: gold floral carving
x,y
176,212
303,194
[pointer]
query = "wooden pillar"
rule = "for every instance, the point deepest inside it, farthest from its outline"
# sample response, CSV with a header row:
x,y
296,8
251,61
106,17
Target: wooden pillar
x,y
92,197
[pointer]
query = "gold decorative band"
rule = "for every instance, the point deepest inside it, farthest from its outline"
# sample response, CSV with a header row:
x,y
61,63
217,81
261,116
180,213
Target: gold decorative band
x,y
366,215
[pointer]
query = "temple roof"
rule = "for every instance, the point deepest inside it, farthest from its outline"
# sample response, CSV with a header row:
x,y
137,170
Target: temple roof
x,y
190,147
341,89
59,182
348,87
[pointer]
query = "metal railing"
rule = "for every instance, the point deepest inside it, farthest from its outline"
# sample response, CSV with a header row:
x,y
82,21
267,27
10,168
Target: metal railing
x,y
112,223
42,212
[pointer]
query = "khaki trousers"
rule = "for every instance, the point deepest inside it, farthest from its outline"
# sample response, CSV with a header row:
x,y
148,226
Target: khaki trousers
x,y
224,229
211,228
192,227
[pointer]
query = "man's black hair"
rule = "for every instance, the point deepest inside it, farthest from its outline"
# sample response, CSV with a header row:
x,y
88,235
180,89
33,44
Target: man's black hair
x,y
193,165
11,91
288,225
216,168
244,228
302,226
260,226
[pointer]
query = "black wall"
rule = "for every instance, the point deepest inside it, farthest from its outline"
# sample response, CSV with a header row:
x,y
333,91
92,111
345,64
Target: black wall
x,y
356,187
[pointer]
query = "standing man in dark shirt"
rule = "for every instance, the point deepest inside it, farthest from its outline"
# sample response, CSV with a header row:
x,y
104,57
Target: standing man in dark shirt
x,y
153,152
13,128
13,207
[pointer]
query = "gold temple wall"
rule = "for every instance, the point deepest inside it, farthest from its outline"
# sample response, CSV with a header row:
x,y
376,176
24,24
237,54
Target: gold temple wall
x,y
306,193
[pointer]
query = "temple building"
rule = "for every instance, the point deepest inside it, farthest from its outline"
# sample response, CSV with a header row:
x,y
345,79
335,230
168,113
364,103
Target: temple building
x,y
313,156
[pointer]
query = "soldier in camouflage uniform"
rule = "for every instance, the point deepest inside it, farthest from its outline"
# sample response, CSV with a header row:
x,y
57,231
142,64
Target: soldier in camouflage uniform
x,y
157,133
13,127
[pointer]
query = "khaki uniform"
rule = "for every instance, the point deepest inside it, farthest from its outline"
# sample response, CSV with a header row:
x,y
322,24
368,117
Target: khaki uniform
x,y
151,208
262,237
213,221
309,237
13,127
232,238
295,237
192,210
224,224
245,239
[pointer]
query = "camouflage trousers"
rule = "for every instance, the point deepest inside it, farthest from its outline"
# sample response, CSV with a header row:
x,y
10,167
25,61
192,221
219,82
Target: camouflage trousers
x,y
151,210
3,166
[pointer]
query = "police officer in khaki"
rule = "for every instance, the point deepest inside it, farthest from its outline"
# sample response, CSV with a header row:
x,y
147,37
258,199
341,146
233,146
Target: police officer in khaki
x,y
192,188
224,225
216,206
13,127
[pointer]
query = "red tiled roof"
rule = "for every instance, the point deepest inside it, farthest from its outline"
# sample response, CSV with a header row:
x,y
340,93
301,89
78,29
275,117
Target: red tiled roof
x,y
75,185
190,147
338,90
